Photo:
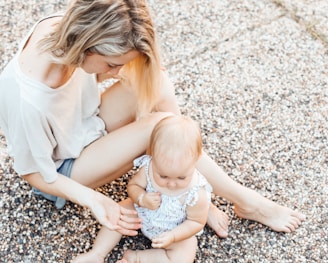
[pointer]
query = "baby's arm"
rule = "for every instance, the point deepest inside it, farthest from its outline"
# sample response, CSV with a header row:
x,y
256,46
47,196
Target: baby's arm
x,y
136,191
196,220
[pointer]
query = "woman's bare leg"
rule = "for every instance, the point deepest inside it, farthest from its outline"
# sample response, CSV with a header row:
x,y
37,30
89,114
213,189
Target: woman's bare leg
x,y
248,203
182,252
111,156
118,107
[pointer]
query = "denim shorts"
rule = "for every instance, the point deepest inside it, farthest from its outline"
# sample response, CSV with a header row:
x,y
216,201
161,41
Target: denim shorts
x,y
64,169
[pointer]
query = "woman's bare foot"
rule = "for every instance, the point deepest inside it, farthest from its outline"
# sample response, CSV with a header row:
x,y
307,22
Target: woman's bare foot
x,y
89,257
129,256
218,221
278,218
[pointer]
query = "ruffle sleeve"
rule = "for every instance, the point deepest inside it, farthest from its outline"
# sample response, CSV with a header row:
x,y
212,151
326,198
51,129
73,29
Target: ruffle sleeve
x,y
141,161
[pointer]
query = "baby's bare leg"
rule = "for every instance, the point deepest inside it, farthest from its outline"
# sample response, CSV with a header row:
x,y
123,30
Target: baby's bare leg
x,y
105,241
218,221
182,252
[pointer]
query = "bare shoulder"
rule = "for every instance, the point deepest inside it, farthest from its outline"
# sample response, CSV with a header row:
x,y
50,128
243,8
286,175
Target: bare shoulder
x,y
199,211
202,197
42,29
202,202
37,64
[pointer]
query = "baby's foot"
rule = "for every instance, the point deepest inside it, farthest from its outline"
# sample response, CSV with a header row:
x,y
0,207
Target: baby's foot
x,y
89,257
218,221
129,256
278,218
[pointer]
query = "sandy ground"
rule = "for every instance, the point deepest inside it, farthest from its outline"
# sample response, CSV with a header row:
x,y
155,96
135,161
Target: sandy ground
x,y
255,76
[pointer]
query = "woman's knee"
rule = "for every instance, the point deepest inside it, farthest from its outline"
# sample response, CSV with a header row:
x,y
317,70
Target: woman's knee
x,y
118,106
152,119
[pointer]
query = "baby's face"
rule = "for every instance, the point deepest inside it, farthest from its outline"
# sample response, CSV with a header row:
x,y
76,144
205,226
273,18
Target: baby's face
x,y
176,176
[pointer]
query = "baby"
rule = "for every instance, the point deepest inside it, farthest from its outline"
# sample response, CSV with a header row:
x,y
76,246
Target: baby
x,y
171,197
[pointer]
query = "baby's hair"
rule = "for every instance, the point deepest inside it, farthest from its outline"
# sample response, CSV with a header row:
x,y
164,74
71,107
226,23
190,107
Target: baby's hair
x,y
176,136
110,28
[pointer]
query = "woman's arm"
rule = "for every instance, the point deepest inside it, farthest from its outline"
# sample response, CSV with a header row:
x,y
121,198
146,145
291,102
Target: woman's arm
x,y
105,210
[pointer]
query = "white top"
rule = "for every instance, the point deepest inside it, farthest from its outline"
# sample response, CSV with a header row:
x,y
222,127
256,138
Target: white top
x,y
44,126
172,210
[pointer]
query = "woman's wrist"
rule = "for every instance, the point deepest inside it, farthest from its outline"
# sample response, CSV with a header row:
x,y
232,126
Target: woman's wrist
x,y
85,197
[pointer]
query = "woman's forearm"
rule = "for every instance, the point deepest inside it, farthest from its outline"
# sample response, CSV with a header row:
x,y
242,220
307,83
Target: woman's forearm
x,y
106,211
63,187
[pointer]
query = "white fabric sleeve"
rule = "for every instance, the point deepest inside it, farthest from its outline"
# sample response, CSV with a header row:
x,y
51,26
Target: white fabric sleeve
x,y
141,161
40,140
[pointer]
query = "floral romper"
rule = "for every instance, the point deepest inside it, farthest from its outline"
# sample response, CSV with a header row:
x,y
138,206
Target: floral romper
x,y
172,210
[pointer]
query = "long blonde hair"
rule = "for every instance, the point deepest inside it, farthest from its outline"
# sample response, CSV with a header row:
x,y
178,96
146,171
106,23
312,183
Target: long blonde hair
x,y
110,28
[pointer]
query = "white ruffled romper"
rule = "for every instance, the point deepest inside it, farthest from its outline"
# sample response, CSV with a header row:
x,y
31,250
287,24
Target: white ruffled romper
x,y
172,211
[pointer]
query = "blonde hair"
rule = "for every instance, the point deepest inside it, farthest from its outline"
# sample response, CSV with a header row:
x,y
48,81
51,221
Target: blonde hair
x,y
176,136
110,28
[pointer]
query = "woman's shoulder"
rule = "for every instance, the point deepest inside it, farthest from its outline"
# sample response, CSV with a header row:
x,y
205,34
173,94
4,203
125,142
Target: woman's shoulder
x,y
38,65
41,29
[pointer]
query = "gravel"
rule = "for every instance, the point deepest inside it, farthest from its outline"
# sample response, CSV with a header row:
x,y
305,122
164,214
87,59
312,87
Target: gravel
x,y
255,76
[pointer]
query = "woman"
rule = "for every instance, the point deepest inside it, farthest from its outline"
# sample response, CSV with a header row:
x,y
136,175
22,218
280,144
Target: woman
x,y
66,139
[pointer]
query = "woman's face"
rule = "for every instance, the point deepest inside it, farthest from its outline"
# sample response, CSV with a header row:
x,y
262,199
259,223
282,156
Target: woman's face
x,y
98,64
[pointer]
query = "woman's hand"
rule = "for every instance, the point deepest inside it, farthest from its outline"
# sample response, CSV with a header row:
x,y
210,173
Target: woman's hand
x,y
113,216
105,210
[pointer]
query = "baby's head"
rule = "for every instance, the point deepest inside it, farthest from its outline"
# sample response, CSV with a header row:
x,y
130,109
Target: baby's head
x,y
175,146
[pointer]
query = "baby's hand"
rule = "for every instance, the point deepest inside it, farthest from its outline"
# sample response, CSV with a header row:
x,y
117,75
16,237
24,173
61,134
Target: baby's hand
x,y
163,240
151,200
